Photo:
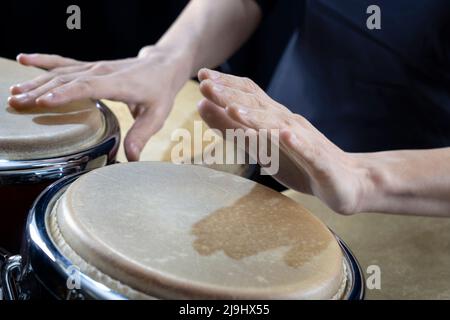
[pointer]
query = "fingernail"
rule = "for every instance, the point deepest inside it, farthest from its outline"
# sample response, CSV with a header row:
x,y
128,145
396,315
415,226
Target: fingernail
x,y
14,88
22,96
48,96
25,55
217,88
213,75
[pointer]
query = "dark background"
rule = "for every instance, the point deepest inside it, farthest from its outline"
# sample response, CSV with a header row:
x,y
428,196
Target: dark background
x,y
118,29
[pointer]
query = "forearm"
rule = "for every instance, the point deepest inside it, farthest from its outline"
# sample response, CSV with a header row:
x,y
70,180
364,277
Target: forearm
x,y
415,182
208,32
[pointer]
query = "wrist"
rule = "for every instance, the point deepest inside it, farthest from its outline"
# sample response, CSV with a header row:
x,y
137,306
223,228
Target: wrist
x,y
375,182
182,55
175,60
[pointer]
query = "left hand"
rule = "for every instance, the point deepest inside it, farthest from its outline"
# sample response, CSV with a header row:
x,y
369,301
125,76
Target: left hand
x,y
147,84
309,162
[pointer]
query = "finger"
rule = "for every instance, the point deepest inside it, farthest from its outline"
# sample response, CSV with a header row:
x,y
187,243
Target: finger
x,y
32,97
148,122
224,96
241,115
41,80
95,88
46,61
259,119
228,80
253,120
216,117
31,84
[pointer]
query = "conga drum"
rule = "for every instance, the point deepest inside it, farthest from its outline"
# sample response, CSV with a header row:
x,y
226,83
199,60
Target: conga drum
x,y
39,146
154,230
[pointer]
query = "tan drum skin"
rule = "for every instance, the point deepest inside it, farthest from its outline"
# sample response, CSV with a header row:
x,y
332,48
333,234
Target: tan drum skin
x,y
140,229
413,253
183,115
37,133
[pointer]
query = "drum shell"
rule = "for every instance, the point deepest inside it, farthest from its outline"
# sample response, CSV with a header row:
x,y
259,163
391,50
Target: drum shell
x,y
21,182
45,269
16,201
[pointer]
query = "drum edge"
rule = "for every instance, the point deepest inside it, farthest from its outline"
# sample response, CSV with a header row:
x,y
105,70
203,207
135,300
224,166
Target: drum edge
x,y
43,262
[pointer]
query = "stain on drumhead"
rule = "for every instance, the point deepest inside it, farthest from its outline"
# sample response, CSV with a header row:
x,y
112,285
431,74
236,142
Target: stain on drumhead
x,y
177,231
260,222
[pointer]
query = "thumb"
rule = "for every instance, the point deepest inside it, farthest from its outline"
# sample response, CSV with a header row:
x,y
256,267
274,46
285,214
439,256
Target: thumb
x,y
148,122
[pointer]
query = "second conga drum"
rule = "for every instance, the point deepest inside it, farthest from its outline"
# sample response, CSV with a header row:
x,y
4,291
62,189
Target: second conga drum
x,y
158,230
185,116
39,146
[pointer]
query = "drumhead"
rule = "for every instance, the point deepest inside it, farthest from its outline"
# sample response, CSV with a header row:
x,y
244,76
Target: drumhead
x,y
43,132
159,230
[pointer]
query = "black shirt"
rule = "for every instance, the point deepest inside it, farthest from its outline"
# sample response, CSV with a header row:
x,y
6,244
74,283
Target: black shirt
x,y
369,90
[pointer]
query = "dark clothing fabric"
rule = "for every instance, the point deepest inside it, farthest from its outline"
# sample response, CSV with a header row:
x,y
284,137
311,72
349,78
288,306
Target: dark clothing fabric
x,y
369,90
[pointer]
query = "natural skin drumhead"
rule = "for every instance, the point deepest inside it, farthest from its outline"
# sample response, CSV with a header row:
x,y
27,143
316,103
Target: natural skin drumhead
x,y
182,231
43,132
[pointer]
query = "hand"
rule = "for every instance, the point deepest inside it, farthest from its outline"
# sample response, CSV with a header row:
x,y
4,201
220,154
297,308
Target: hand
x,y
309,162
148,84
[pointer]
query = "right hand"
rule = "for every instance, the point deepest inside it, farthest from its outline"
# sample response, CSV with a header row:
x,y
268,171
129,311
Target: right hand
x,y
308,161
148,84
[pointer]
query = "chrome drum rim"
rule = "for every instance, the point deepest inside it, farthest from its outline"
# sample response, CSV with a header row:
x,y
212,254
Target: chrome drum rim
x,y
44,262
39,170
354,288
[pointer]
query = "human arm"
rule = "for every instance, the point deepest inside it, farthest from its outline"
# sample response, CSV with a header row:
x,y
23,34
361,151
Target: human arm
x,y
410,182
206,33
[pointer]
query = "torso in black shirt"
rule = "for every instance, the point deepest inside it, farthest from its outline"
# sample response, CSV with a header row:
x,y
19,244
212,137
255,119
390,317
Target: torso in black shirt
x,y
370,90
